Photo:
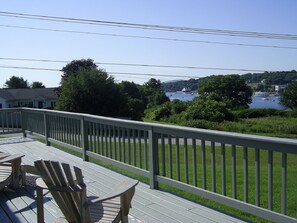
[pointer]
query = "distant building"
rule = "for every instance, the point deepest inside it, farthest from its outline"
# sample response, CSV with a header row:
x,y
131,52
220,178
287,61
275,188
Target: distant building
x,y
279,88
28,97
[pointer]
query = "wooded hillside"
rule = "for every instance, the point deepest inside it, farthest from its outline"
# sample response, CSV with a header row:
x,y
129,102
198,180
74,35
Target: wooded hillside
x,y
270,78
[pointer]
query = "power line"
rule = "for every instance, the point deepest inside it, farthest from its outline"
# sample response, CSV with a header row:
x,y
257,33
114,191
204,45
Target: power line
x,y
138,65
112,72
29,68
150,37
116,73
152,27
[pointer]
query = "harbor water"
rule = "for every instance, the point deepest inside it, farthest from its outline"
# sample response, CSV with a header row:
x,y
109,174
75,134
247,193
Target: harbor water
x,y
258,101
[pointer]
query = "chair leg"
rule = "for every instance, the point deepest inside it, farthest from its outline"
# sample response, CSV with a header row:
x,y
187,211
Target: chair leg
x,y
15,165
39,200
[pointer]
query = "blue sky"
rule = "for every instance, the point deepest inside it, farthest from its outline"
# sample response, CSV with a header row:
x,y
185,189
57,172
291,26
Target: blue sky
x,y
269,16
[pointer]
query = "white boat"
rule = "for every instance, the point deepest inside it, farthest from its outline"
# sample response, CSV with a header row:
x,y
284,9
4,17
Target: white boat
x,y
186,89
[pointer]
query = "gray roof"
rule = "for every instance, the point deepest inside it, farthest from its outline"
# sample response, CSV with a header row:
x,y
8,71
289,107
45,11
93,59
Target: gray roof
x,y
28,93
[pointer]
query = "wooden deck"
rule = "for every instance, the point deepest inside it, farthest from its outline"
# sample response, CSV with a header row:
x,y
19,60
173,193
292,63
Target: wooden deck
x,y
147,206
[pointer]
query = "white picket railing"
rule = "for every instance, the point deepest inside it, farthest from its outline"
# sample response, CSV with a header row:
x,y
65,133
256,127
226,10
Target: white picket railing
x,y
224,167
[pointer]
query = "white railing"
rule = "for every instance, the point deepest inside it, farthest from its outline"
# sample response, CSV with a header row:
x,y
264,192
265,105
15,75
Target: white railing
x,y
246,172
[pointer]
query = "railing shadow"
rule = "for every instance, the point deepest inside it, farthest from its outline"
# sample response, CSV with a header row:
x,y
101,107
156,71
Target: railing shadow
x,y
19,204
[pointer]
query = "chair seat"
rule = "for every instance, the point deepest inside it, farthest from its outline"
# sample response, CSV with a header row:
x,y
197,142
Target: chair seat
x,y
106,211
10,170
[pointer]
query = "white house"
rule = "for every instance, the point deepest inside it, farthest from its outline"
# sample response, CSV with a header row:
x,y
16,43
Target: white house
x,y
28,97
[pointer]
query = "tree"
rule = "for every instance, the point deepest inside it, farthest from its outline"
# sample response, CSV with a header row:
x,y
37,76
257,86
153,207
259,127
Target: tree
x,y
153,93
37,84
230,88
289,96
132,105
75,66
16,82
90,91
153,84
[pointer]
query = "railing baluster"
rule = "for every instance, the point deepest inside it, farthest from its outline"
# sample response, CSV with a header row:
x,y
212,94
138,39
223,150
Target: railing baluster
x,y
186,165
114,142
270,180
153,158
203,156
257,177
12,122
54,123
234,179
67,130
7,122
170,156
194,154
120,144
64,130
90,135
213,166
129,146
2,121
245,175
102,139
163,155
78,129
124,145
96,138
139,149
134,147
109,141
284,183
145,150
105,140
177,158
223,168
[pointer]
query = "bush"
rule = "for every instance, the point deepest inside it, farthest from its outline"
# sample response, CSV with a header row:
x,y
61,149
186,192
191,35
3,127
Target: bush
x,y
259,112
178,106
209,110
158,113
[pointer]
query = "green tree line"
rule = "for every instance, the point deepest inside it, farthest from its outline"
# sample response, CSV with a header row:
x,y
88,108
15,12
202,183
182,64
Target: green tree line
x,y
269,79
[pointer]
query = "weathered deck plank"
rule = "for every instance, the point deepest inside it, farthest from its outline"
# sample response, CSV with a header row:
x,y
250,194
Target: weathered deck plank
x,y
148,205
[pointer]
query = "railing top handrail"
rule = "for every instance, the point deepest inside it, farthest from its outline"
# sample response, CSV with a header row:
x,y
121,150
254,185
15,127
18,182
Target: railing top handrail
x,y
261,142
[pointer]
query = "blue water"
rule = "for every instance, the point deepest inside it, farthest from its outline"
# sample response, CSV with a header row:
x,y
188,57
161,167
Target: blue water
x,y
258,101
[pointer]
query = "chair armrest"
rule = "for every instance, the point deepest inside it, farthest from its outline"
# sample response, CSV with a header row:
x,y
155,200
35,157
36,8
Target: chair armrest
x,y
11,158
116,192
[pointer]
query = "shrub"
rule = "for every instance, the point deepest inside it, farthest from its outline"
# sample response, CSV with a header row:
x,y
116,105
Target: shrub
x,y
259,112
209,110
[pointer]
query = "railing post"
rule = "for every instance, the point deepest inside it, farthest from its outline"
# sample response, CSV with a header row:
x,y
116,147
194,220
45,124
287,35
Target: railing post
x,y
153,158
84,139
46,130
23,123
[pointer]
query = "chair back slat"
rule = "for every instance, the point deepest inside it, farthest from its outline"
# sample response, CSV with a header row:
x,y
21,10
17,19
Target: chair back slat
x,y
68,173
78,174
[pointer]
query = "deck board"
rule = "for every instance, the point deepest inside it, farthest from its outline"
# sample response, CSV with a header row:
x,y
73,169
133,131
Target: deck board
x,y
147,205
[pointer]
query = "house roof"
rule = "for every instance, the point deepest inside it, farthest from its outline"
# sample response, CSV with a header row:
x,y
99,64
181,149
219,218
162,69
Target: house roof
x,y
28,93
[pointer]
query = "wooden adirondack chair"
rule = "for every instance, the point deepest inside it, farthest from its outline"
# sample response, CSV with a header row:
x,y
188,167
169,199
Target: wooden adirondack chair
x,y
69,192
10,170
